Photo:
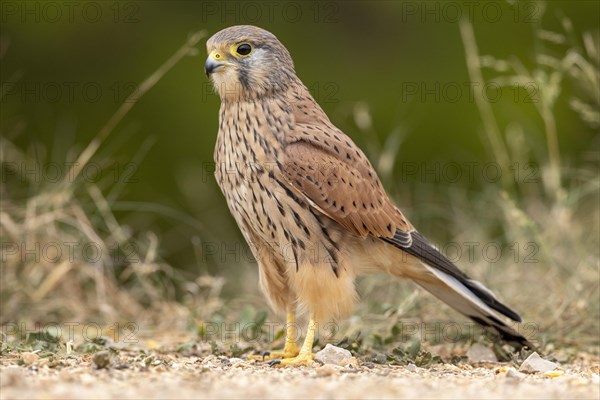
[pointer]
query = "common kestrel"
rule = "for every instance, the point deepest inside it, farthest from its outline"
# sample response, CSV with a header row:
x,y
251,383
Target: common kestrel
x,y
308,201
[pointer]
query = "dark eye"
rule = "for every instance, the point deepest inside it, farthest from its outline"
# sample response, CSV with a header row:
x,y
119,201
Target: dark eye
x,y
244,49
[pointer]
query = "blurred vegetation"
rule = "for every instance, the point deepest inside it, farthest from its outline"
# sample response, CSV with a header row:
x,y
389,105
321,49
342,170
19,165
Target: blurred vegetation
x,y
403,79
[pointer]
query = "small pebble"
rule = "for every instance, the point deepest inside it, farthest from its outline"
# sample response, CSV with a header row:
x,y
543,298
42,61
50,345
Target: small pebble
x,y
351,362
29,358
101,359
326,370
380,358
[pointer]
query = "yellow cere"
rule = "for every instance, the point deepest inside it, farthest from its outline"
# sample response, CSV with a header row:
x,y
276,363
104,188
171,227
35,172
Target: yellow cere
x,y
215,55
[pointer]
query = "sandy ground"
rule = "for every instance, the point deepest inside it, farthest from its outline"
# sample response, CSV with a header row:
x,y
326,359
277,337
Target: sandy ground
x,y
129,375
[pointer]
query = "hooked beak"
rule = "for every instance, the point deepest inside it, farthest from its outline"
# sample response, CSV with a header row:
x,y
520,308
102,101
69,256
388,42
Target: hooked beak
x,y
213,62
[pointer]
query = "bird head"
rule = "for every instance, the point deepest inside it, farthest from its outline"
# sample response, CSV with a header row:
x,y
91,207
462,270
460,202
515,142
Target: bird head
x,y
246,62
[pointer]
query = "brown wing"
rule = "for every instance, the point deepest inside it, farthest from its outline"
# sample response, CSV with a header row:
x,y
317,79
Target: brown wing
x,y
325,167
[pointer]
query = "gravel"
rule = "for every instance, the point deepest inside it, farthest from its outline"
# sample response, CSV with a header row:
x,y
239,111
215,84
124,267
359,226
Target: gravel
x,y
154,375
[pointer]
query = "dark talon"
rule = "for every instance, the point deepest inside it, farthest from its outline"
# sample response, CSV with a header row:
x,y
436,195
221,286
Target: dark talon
x,y
273,363
265,354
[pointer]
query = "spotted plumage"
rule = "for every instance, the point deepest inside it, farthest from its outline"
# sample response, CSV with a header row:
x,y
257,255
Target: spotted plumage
x,y
308,201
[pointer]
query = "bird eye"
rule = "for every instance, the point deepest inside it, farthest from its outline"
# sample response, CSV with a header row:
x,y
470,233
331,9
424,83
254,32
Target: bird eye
x,y
244,49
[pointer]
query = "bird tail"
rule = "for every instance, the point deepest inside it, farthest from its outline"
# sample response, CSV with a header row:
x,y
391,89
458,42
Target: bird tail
x,y
444,280
458,296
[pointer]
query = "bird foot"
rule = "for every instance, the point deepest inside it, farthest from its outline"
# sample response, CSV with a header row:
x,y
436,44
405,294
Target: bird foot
x,y
299,360
287,352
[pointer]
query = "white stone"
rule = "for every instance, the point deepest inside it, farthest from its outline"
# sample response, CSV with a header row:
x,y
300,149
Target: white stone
x,y
535,363
411,367
480,353
514,374
332,355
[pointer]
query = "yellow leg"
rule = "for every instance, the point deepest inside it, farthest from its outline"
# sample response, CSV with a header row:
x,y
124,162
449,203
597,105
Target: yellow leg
x,y
306,356
290,349
291,337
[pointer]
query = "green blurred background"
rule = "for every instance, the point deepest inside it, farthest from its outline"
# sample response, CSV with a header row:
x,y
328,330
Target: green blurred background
x,y
66,67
